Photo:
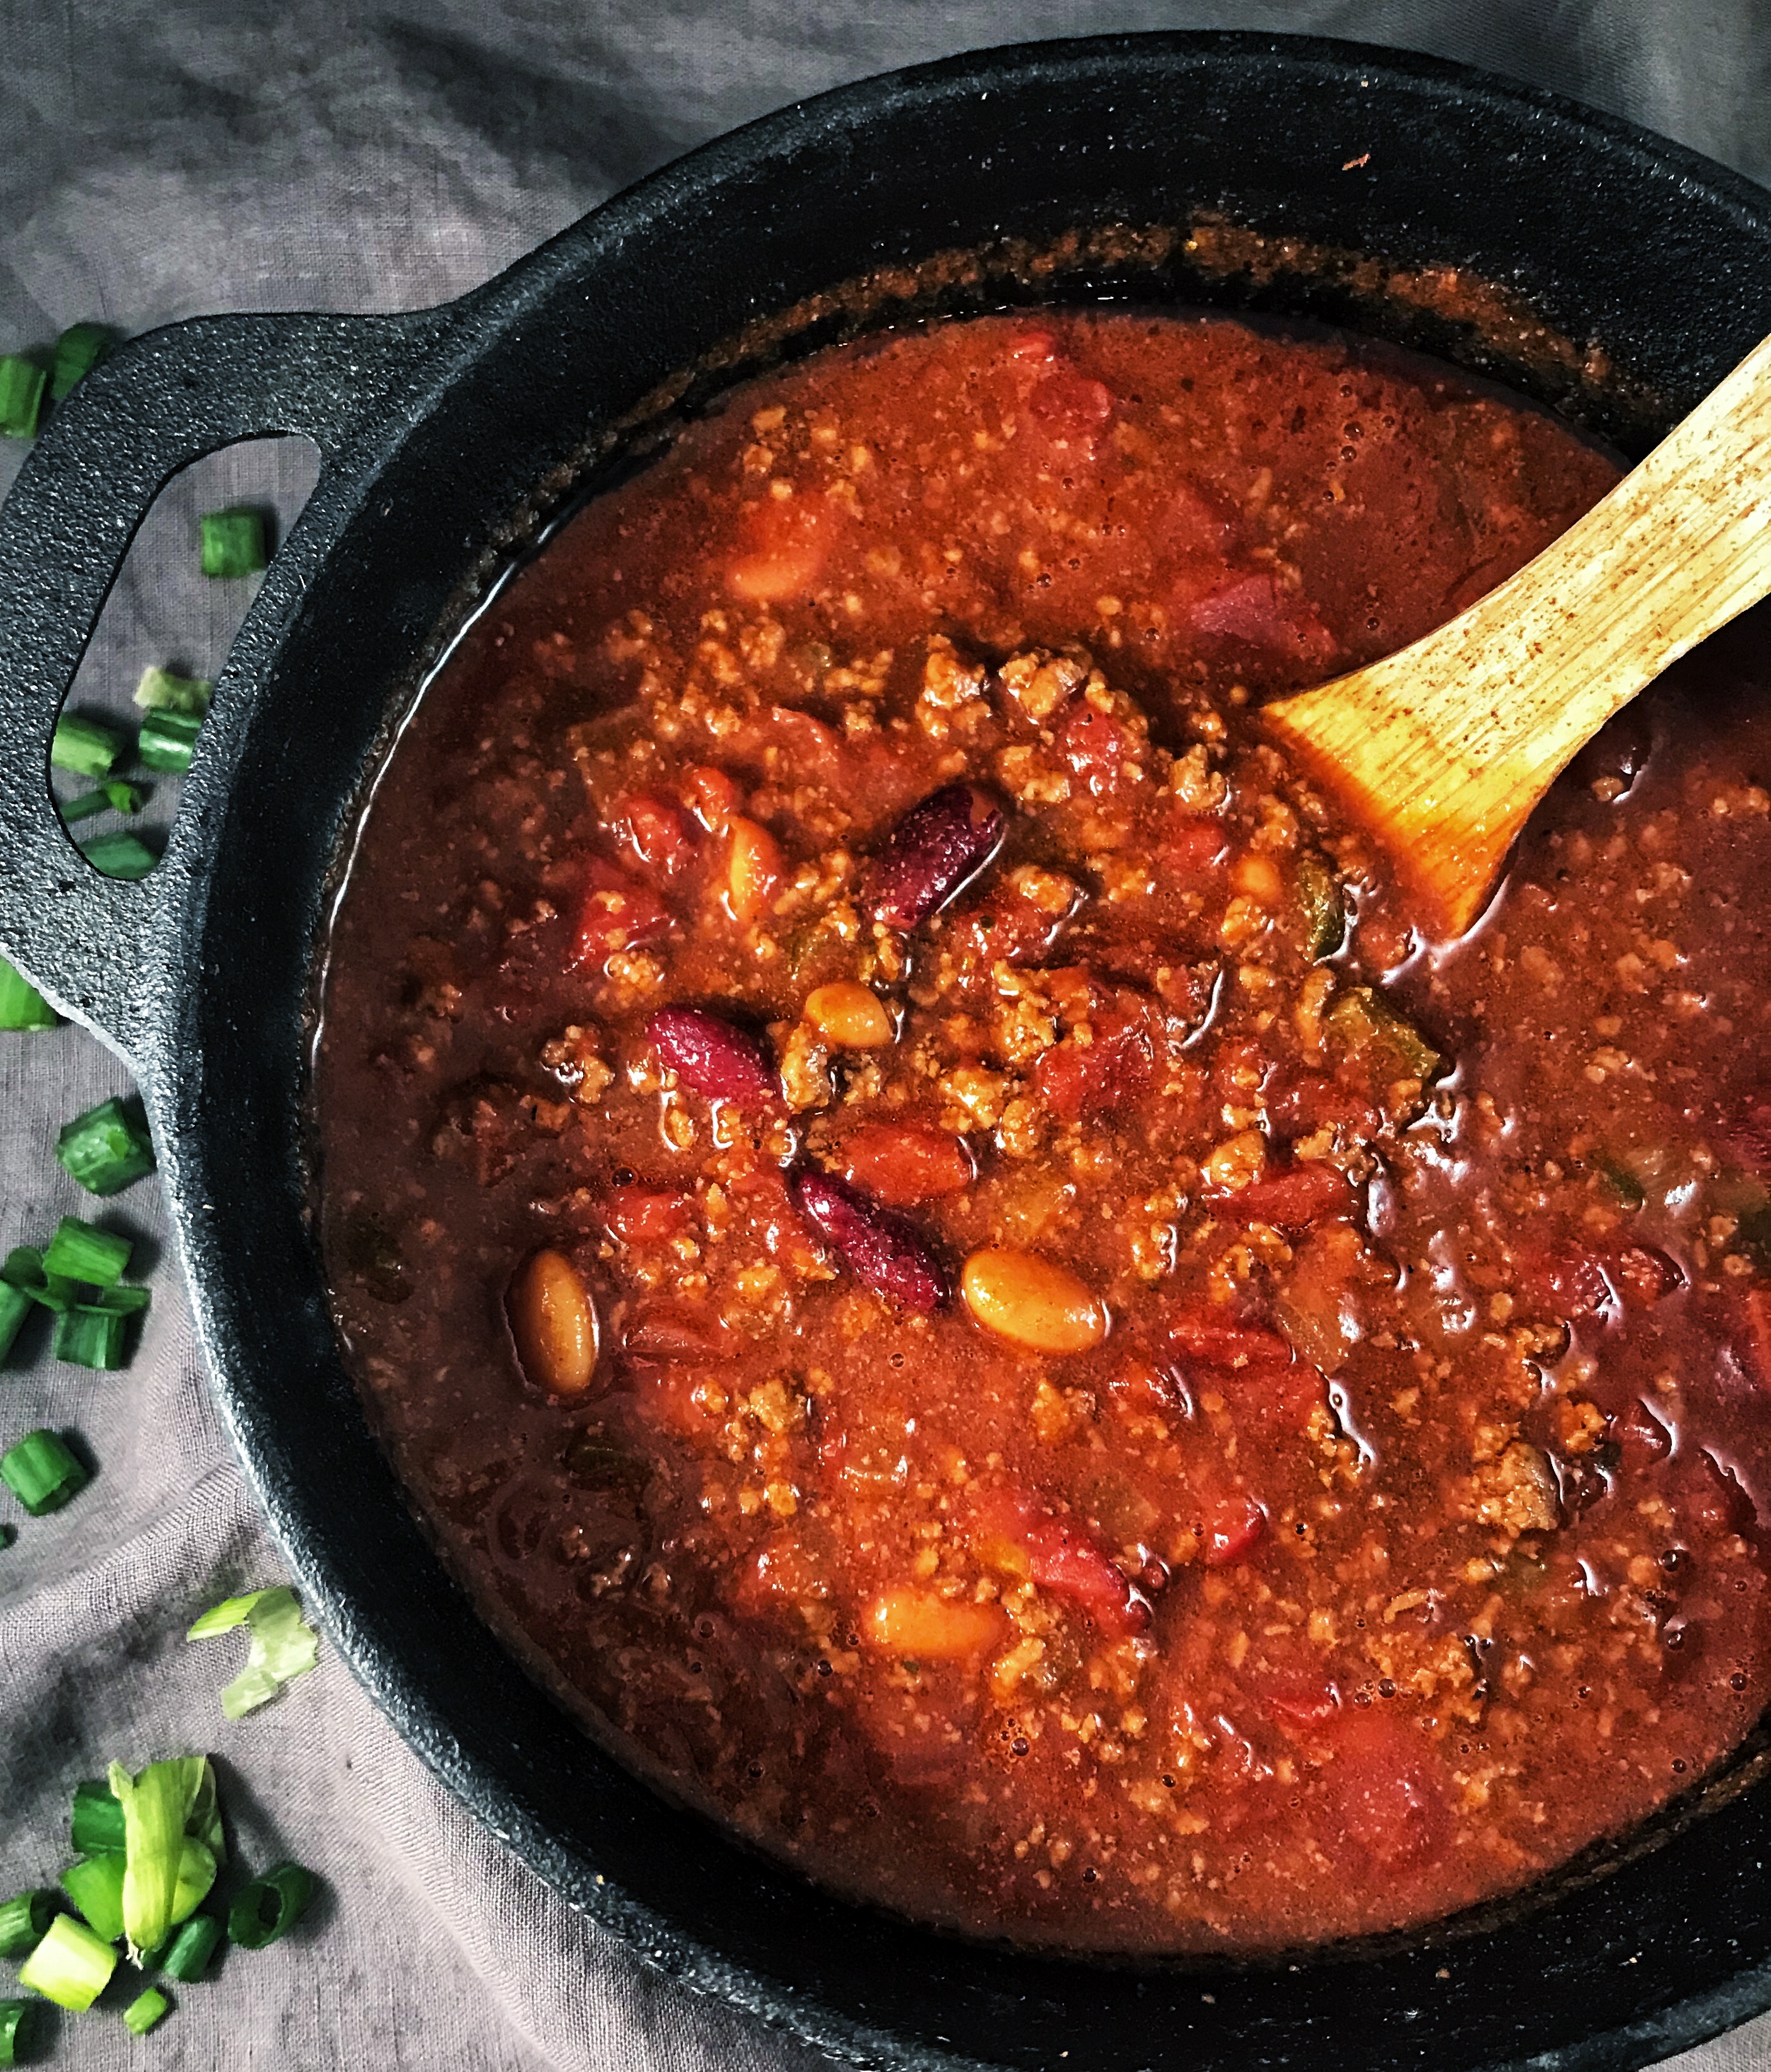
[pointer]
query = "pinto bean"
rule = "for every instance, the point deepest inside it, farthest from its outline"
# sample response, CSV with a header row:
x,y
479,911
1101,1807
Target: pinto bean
x,y
849,1016
924,1627
553,1324
753,869
933,851
877,1246
1031,1301
712,1056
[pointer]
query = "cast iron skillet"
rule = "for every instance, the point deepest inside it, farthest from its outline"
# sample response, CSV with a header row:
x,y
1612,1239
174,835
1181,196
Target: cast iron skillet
x,y
436,431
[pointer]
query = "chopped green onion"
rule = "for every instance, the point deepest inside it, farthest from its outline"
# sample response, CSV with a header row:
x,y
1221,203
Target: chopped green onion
x,y
233,543
71,1966
91,1338
188,1954
115,795
22,1006
15,2027
15,1306
25,1920
119,855
78,351
270,1905
86,746
172,1844
105,1148
97,1820
160,690
115,1302
82,1252
41,1472
1361,1022
168,739
24,1270
95,1884
1622,1183
22,385
283,1645
144,2010
1324,919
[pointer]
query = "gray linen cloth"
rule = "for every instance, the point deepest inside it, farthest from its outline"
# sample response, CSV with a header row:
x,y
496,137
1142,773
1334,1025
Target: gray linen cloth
x,y
159,159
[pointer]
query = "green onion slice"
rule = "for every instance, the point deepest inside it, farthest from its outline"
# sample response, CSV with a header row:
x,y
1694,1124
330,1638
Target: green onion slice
x,y
114,796
233,543
283,1645
23,1269
86,746
270,1905
97,1820
119,855
15,2029
71,1966
41,1472
160,691
22,1006
144,2010
78,351
116,1302
91,1338
15,1306
105,1149
22,385
187,1956
95,1884
171,1844
83,1251
24,1920
168,739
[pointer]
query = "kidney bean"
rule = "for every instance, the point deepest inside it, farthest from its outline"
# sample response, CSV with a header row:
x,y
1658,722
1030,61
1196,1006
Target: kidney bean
x,y
931,853
1293,1199
877,1246
712,1056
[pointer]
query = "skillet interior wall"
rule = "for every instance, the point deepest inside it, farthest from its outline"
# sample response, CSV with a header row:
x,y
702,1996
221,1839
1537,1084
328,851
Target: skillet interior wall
x,y
509,429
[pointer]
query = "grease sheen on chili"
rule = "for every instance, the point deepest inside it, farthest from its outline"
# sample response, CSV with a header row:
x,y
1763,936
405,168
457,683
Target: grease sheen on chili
x,y
928,1240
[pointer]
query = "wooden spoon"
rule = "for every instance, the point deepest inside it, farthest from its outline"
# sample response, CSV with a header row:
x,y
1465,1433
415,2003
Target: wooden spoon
x,y
1443,749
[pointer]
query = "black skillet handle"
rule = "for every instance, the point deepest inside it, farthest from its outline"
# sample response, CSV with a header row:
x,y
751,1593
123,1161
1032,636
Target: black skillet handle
x,y
91,944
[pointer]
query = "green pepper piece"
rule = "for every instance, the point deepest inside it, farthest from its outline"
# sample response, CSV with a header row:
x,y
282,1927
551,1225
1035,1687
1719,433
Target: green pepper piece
x,y
1361,1023
1324,919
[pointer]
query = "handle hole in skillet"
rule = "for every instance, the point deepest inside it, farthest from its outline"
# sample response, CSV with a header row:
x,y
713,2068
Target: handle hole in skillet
x,y
164,612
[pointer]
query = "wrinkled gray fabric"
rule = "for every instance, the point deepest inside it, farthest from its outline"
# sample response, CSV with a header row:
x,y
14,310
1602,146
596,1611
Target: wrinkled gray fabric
x,y
161,158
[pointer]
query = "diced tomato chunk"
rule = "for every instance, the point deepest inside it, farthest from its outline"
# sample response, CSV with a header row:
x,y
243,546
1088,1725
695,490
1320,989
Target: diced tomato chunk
x,y
1095,745
1234,1524
1758,1334
780,1573
1302,1701
902,1164
1640,1432
1059,1557
1306,1105
645,1215
1191,846
1745,1131
1712,1501
1069,402
1304,1194
1066,1562
656,834
713,797
1645,1274
1568,1282
615,915
1076,1080
1388,1791
1256,611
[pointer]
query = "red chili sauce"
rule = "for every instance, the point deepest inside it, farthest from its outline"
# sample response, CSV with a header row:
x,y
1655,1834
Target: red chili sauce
x,y
932,1247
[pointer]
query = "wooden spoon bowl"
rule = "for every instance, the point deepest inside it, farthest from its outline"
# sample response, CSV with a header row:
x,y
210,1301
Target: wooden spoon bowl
x,y
1443,749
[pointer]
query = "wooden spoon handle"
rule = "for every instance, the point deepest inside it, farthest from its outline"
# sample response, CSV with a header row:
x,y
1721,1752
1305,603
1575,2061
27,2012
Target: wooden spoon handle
x,y
1444,747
